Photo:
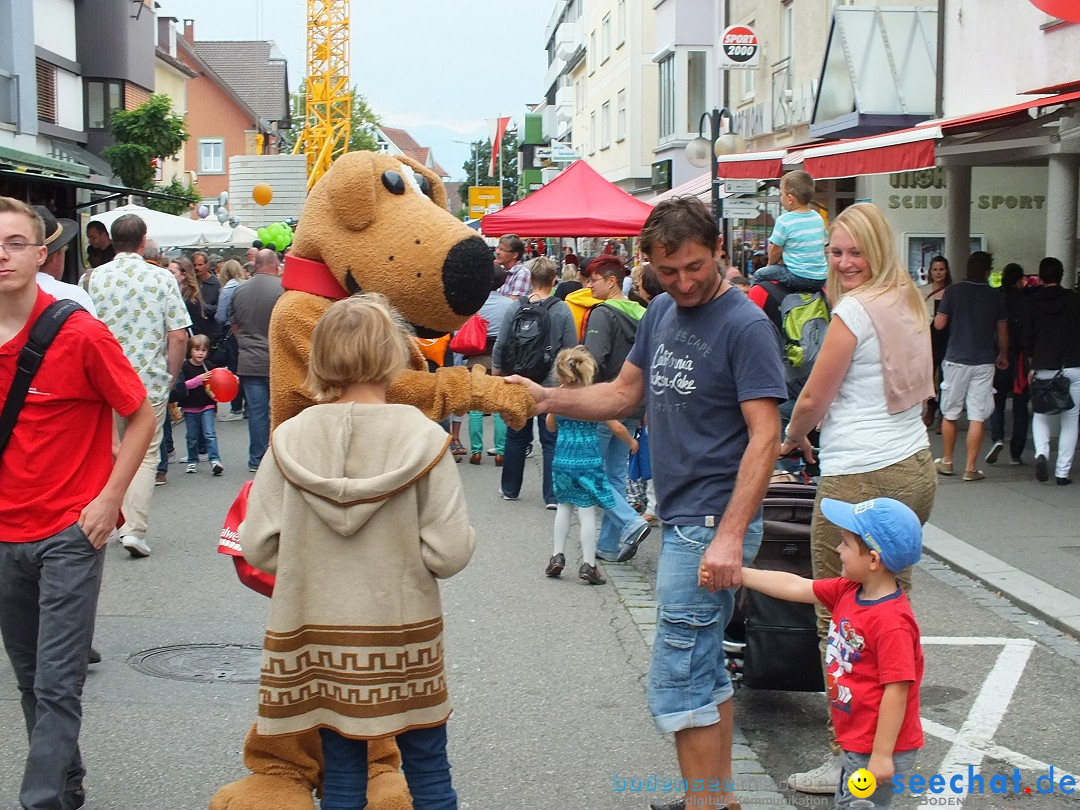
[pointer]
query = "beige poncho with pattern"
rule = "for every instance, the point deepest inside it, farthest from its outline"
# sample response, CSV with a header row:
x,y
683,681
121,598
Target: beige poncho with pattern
x,y
357,509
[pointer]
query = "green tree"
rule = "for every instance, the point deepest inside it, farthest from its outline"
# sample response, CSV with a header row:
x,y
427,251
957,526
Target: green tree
x,y
149,131
361,127
480,174
187,191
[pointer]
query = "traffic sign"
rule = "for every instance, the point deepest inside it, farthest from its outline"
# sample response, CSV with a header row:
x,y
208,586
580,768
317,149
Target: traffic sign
x,y
741,208
740,186
563,153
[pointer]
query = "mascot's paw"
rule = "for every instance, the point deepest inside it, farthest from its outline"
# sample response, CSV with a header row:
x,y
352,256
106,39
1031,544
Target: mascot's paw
x,y
259,792
495,395
388,791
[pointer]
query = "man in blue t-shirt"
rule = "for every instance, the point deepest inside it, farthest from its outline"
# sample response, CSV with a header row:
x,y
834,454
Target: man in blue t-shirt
x,y
707,364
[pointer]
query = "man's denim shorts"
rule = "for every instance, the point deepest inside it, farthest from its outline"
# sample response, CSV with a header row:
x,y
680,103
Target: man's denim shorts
x,y
687,676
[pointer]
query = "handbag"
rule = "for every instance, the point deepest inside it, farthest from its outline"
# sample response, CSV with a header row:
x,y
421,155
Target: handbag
x,y
1051,395
471,338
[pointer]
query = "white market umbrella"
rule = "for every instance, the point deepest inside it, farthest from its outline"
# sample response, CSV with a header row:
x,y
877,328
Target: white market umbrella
x,y
169,230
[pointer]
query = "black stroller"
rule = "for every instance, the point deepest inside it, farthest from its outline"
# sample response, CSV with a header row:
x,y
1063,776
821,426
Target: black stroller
x,y
772,644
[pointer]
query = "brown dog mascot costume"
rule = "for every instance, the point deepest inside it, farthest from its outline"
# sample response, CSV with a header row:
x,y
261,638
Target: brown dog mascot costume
x,y
373,223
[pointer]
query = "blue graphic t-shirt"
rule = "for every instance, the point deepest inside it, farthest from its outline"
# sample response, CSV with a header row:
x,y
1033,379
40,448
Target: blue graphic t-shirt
x,y
699,364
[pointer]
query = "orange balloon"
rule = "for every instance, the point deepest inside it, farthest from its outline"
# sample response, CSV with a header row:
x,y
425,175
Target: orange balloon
x,y
262,194
223,385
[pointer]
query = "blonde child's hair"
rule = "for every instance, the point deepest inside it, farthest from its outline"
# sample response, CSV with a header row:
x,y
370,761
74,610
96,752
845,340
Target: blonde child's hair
x,y
798,184
197,342
358,340
575,366
872,235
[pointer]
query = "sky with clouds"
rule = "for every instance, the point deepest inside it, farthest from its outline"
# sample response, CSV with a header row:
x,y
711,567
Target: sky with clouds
x,y
435,67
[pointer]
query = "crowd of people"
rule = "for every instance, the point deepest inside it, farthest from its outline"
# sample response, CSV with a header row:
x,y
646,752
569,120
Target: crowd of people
x,y
669,354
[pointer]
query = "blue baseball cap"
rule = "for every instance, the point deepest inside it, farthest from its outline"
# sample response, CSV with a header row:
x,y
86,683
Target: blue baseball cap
x,y
887,526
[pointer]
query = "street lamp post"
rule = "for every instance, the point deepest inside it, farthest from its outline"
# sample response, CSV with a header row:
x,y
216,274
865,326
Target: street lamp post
x,y
703,151
476,159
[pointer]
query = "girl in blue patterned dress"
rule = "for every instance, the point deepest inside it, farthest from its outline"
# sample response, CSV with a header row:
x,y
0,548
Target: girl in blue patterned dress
x,y
577,471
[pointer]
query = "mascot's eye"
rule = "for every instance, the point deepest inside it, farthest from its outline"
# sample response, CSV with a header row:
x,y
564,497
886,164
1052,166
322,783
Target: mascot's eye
x,y
394,182
425,186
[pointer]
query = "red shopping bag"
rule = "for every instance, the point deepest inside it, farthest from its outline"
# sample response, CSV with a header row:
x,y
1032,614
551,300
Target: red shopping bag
x,y
471,338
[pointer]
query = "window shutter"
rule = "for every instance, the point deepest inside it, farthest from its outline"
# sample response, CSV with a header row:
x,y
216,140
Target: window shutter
x,y
46,91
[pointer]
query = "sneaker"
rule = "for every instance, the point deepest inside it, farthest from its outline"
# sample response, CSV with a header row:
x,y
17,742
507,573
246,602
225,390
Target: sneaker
x,y
628,551
253,468
160,480
944,468
995,451
191,468
821,780
551,507
506,497
94,657
217,468
1015,461
974,475
589,574
491,451
135,546
555,565
232,416
1063,482
1042,469
528,451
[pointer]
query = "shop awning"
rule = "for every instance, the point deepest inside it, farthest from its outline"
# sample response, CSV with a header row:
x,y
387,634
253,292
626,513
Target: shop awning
x,y
913,148
699,187
766,165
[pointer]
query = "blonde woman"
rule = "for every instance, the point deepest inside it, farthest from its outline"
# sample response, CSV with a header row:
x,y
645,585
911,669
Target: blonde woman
x,y
231,275
184,273
873,440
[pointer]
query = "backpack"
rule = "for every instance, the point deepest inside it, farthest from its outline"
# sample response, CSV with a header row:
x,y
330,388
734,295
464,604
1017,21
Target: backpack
x,y
804,317
528,348
581,303
42,333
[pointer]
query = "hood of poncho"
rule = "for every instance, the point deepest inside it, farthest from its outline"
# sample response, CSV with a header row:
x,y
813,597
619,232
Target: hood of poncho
x,y
348,459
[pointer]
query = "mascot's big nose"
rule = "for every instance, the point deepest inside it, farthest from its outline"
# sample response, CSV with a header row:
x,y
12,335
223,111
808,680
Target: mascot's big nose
x,y
467,274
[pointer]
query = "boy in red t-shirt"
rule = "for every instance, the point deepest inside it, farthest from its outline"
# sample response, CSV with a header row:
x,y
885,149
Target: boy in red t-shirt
x,y
61,494
874,661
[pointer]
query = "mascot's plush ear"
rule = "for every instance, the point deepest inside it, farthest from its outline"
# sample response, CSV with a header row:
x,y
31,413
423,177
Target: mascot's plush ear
x,y
350,185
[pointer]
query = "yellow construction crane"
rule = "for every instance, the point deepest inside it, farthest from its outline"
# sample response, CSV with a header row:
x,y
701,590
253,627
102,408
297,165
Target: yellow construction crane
x,y
328,100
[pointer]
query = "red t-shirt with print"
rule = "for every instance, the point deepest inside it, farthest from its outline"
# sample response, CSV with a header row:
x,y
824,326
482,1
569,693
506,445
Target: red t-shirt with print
x,y
871,644
60,453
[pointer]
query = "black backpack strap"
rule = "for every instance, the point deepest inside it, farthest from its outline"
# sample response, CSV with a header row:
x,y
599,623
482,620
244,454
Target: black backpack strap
x,y
42,333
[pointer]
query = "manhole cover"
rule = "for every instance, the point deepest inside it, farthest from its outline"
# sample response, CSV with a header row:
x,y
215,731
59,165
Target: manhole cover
x,y
204,663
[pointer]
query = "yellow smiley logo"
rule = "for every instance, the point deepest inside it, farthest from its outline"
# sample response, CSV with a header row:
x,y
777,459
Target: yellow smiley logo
x,y
862,783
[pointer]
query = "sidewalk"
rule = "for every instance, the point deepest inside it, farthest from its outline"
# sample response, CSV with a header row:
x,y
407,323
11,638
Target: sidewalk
x,y
1018,536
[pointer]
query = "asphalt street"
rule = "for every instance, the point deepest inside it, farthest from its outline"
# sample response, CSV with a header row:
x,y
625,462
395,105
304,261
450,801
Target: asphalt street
x,y
547,676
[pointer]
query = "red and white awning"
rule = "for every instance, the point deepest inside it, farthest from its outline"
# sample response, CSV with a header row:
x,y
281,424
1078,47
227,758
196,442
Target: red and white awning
x,y
752,165
903,150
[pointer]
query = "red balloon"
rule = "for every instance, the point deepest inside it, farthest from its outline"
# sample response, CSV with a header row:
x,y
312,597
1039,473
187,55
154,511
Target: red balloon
x,y
223,385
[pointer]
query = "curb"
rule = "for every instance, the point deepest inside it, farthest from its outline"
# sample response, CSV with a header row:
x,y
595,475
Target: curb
x,y
1054,606
756,788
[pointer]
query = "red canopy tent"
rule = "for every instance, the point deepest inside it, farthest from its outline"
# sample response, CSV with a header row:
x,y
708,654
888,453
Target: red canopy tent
x,y
579,202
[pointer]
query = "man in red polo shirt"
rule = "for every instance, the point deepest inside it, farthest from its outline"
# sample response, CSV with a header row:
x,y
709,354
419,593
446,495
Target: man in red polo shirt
x,y
61,497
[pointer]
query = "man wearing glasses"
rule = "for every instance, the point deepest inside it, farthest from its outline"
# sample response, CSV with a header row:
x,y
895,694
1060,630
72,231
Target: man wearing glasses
x,y
508,256
62,495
